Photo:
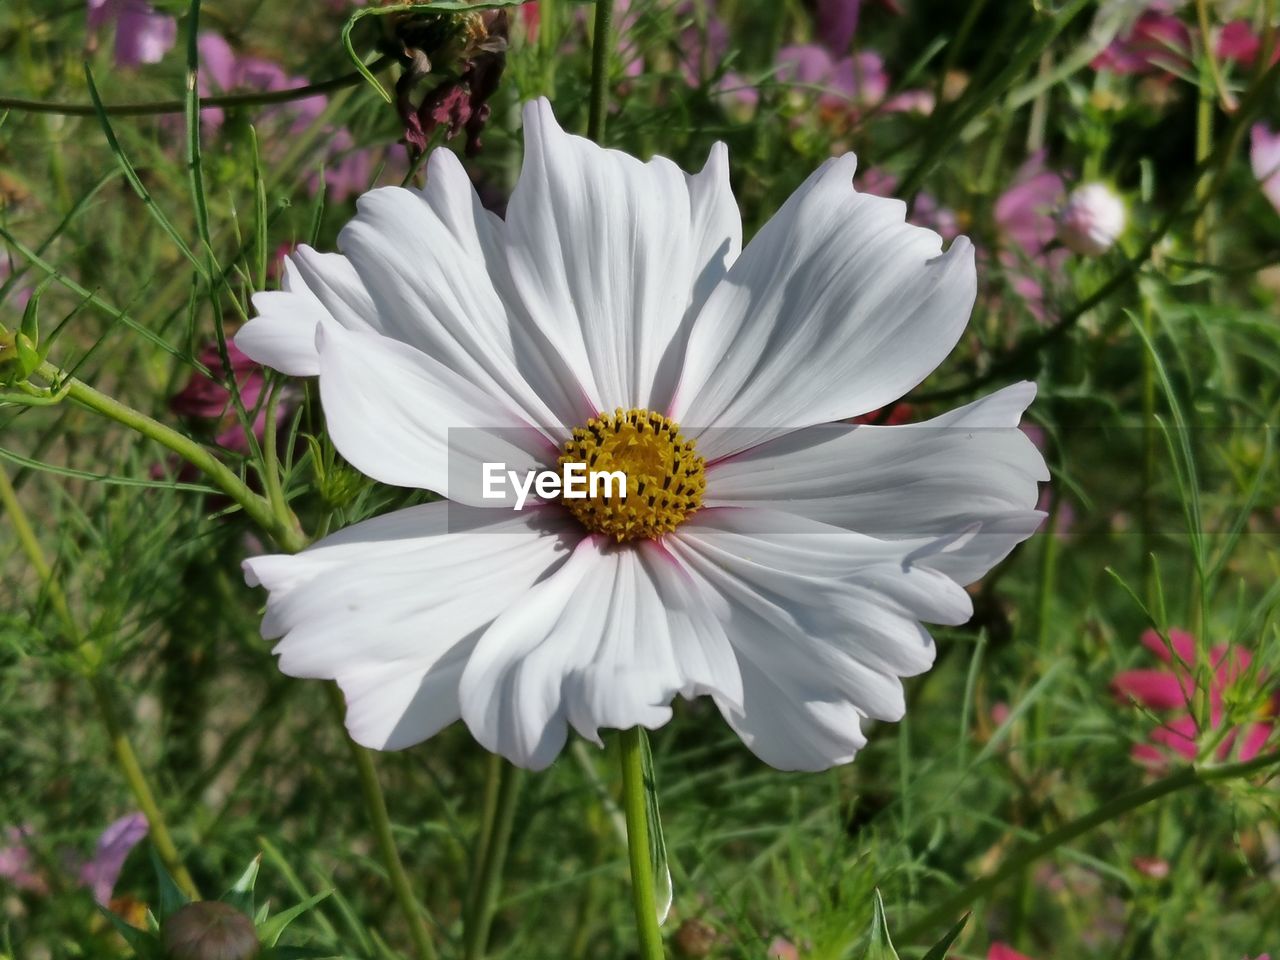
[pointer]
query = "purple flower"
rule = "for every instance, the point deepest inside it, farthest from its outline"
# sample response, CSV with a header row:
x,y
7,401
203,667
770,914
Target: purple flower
x,y
100,873
837,23
1156,42
1025,219
222,70
858,80
142,34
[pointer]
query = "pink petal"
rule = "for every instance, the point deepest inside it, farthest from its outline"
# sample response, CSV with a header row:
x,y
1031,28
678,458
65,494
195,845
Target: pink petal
x,y
1157,689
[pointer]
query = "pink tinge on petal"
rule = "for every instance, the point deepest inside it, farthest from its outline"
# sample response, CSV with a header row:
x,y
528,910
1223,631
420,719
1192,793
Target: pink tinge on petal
x,y
1148,755
142,35
1156,689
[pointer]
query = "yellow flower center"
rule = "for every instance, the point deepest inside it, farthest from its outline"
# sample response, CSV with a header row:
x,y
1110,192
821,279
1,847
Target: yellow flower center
x,y
665,477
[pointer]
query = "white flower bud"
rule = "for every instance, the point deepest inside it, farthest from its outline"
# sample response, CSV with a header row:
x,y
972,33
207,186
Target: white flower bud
x,y
1092,220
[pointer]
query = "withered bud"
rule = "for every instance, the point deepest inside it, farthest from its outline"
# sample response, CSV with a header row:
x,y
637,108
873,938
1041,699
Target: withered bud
x,y
209,930
460,58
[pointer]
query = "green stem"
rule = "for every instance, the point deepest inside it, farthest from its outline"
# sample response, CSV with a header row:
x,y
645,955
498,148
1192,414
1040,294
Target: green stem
x,y
376,804
946,912
494,859
153,107
600,47
637,814
121,745
285,533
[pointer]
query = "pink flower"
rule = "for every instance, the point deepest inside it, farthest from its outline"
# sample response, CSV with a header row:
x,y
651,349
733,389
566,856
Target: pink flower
x,y
142,35
16,865
1237,42
208,399
1264,156
1024,217
780,948
1171,689
1092,220
849,81
1157,42
222,70
928,212
1002,951
837,23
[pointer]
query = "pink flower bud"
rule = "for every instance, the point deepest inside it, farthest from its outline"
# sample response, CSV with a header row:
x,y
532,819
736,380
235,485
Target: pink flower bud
x,y
1092,219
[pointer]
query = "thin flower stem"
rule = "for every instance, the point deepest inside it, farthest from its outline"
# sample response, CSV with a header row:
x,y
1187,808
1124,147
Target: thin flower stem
x,y
271,458
600,48
286,533
637,814
950,908
154,107
376,805
495,859
121,745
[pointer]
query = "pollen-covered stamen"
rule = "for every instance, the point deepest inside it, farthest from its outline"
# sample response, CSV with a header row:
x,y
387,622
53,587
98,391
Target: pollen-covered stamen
x,y
665,477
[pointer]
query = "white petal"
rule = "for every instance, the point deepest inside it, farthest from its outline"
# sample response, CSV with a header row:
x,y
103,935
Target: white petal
x,y
836,307
433,291
606,641
717,225
601,254
391,608
824,623
969,470
406,419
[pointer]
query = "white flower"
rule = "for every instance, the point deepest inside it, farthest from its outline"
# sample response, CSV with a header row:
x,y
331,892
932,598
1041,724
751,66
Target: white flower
x,y
1092,219
787,581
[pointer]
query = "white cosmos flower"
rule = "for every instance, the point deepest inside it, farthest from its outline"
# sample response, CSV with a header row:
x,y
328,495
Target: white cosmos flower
x,y
794,596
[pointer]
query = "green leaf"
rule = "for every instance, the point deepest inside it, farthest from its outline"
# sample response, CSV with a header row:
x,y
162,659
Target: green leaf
x,y
142,944
240,895
270,931
171,896
661,870
880,947
939,950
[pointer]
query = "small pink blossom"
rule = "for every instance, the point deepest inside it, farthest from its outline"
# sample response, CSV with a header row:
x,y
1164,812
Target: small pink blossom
x,y
1155,867
16,862
1171,688
1264,157
1025,220
142,34
1002,951
780,948
1092,219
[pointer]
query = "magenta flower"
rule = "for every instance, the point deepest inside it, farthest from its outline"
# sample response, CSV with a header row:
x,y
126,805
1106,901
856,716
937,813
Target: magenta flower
x,y
1157,42
1264,156
1171,689
142,34
101,872
1002,951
